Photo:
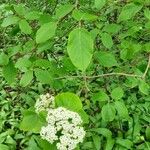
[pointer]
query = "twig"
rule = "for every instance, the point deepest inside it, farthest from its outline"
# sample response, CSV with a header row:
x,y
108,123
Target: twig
x,y
101,75
76,4
85,83
147,68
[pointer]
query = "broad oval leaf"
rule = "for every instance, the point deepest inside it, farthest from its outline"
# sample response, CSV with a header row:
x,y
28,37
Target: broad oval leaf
x,y
20,9
10,20
103,131
117,93
42,63
112,28
79,15
63,10
107,40
23,63
144,87
106,59
98,4
46,32
33,15
43,76
4,59
69,101
9,72
100,96
32,121
121,109
80,48
25,27
84,116
45,145
129,11
108,112
26,78
4,147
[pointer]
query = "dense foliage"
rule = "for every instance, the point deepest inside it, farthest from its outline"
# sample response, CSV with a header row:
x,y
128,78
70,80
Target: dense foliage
x,y
93,56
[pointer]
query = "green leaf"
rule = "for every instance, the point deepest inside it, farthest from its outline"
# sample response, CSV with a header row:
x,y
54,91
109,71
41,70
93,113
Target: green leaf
x,y
63,10
106,59
23,63
97,141
69,101
46,32
80,48
25,27
4,59
110,143
77,148
79,15
33,15
20,9
32,144
9,72
147,132
45,145
14,50
100,96
117,93
125,143
108,112
10,20
129,11
107,40
43,63
44,47
144,87
147,13
98,4
103,131
131,82
121,109
68,64
112,28
84,116
32,121
4,147
26,78
43,76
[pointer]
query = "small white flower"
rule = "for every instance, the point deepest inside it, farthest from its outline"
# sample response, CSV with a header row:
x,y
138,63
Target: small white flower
x,y
61,146
64,128
49,133
44,103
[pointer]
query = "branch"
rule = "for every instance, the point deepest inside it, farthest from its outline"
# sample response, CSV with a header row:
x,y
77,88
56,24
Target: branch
x,y
101,75
147,68
110,74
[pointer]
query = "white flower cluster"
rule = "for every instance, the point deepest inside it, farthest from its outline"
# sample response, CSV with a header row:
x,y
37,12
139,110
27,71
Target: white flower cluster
x,y
44,103
64,127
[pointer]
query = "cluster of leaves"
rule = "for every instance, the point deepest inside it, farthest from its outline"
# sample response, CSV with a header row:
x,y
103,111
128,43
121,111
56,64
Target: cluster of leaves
x,y
97,49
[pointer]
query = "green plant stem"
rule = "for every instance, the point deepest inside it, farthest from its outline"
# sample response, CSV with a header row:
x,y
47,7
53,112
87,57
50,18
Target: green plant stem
x,y
85,83
147,68
101,75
